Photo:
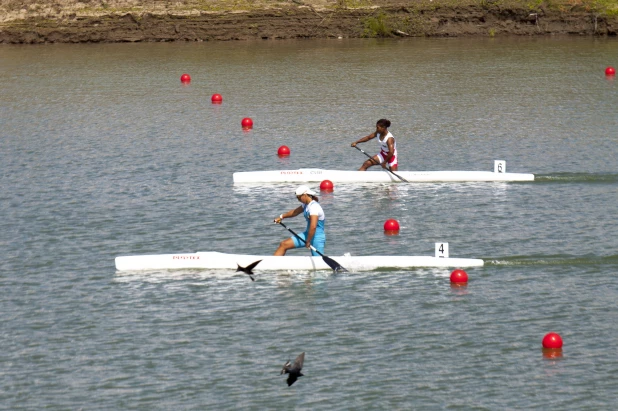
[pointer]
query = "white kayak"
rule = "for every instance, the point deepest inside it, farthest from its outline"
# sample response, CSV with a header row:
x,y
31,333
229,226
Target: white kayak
x,y
215,260
308,175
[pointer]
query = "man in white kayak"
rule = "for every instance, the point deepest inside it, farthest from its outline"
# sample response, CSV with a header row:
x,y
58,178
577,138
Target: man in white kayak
x,y
388,148
314,214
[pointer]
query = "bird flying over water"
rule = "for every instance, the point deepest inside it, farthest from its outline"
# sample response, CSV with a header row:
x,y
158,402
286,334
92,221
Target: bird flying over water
x,y
293,369
248,269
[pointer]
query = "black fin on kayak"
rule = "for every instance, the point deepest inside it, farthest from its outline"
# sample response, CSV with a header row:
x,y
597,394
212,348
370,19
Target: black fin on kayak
x,y
248,269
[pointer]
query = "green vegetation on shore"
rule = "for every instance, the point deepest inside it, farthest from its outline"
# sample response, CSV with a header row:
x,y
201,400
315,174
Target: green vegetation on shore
x,y
72,21
26,8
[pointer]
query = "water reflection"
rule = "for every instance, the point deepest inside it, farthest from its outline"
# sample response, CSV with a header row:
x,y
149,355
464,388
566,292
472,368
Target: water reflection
x,y
459,289
552,353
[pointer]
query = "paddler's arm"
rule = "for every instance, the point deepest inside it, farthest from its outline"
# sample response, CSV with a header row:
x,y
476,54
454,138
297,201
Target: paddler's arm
x,y
313,224
289,214
364,139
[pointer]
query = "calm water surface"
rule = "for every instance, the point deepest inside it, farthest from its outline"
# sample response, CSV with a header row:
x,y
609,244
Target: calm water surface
x,y
104,153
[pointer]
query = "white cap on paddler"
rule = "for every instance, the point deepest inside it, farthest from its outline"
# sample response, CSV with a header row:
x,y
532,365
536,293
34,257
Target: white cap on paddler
x,y
305,190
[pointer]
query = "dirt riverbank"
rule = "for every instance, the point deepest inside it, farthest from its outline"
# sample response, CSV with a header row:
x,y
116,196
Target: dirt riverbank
x,y
65,21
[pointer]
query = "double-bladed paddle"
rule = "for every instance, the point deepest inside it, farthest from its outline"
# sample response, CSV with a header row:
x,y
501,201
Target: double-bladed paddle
x,y
387,169
331,263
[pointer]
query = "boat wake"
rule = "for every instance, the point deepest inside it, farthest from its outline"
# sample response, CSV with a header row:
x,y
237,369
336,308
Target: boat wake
x,y
553,260
605,178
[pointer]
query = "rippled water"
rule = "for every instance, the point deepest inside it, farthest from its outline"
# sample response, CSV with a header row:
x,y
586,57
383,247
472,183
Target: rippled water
x,y
104,153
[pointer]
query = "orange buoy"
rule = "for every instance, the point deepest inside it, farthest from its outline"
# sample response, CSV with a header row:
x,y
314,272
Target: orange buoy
x,y
283,151
552,341
327,185
216,99
391,227
459,276
610,71
185,79
247,123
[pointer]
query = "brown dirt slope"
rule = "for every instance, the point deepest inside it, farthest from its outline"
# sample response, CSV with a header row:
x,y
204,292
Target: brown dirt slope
x,y
69,21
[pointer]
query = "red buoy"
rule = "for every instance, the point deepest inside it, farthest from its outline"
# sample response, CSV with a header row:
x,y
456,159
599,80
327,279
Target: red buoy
x,y
283,151
185,79
552,340
610,71
216,99
247,123
391,226
327,185
459,276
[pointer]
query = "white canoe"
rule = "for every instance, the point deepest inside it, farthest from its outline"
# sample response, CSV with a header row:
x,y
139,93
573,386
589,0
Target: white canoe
x,y
308,175
215,260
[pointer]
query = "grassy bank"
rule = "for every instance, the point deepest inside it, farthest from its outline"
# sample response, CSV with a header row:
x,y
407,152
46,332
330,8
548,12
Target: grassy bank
x,y
36,21
20,9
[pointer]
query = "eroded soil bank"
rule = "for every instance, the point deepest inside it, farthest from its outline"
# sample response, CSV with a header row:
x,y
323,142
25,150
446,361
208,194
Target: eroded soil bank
x,y
73,23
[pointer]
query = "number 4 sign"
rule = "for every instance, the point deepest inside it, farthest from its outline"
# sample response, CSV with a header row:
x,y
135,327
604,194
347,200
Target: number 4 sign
x,y
442,250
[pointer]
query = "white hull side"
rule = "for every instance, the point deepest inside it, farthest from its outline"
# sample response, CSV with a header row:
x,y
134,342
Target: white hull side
x,y
215,260
308,175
